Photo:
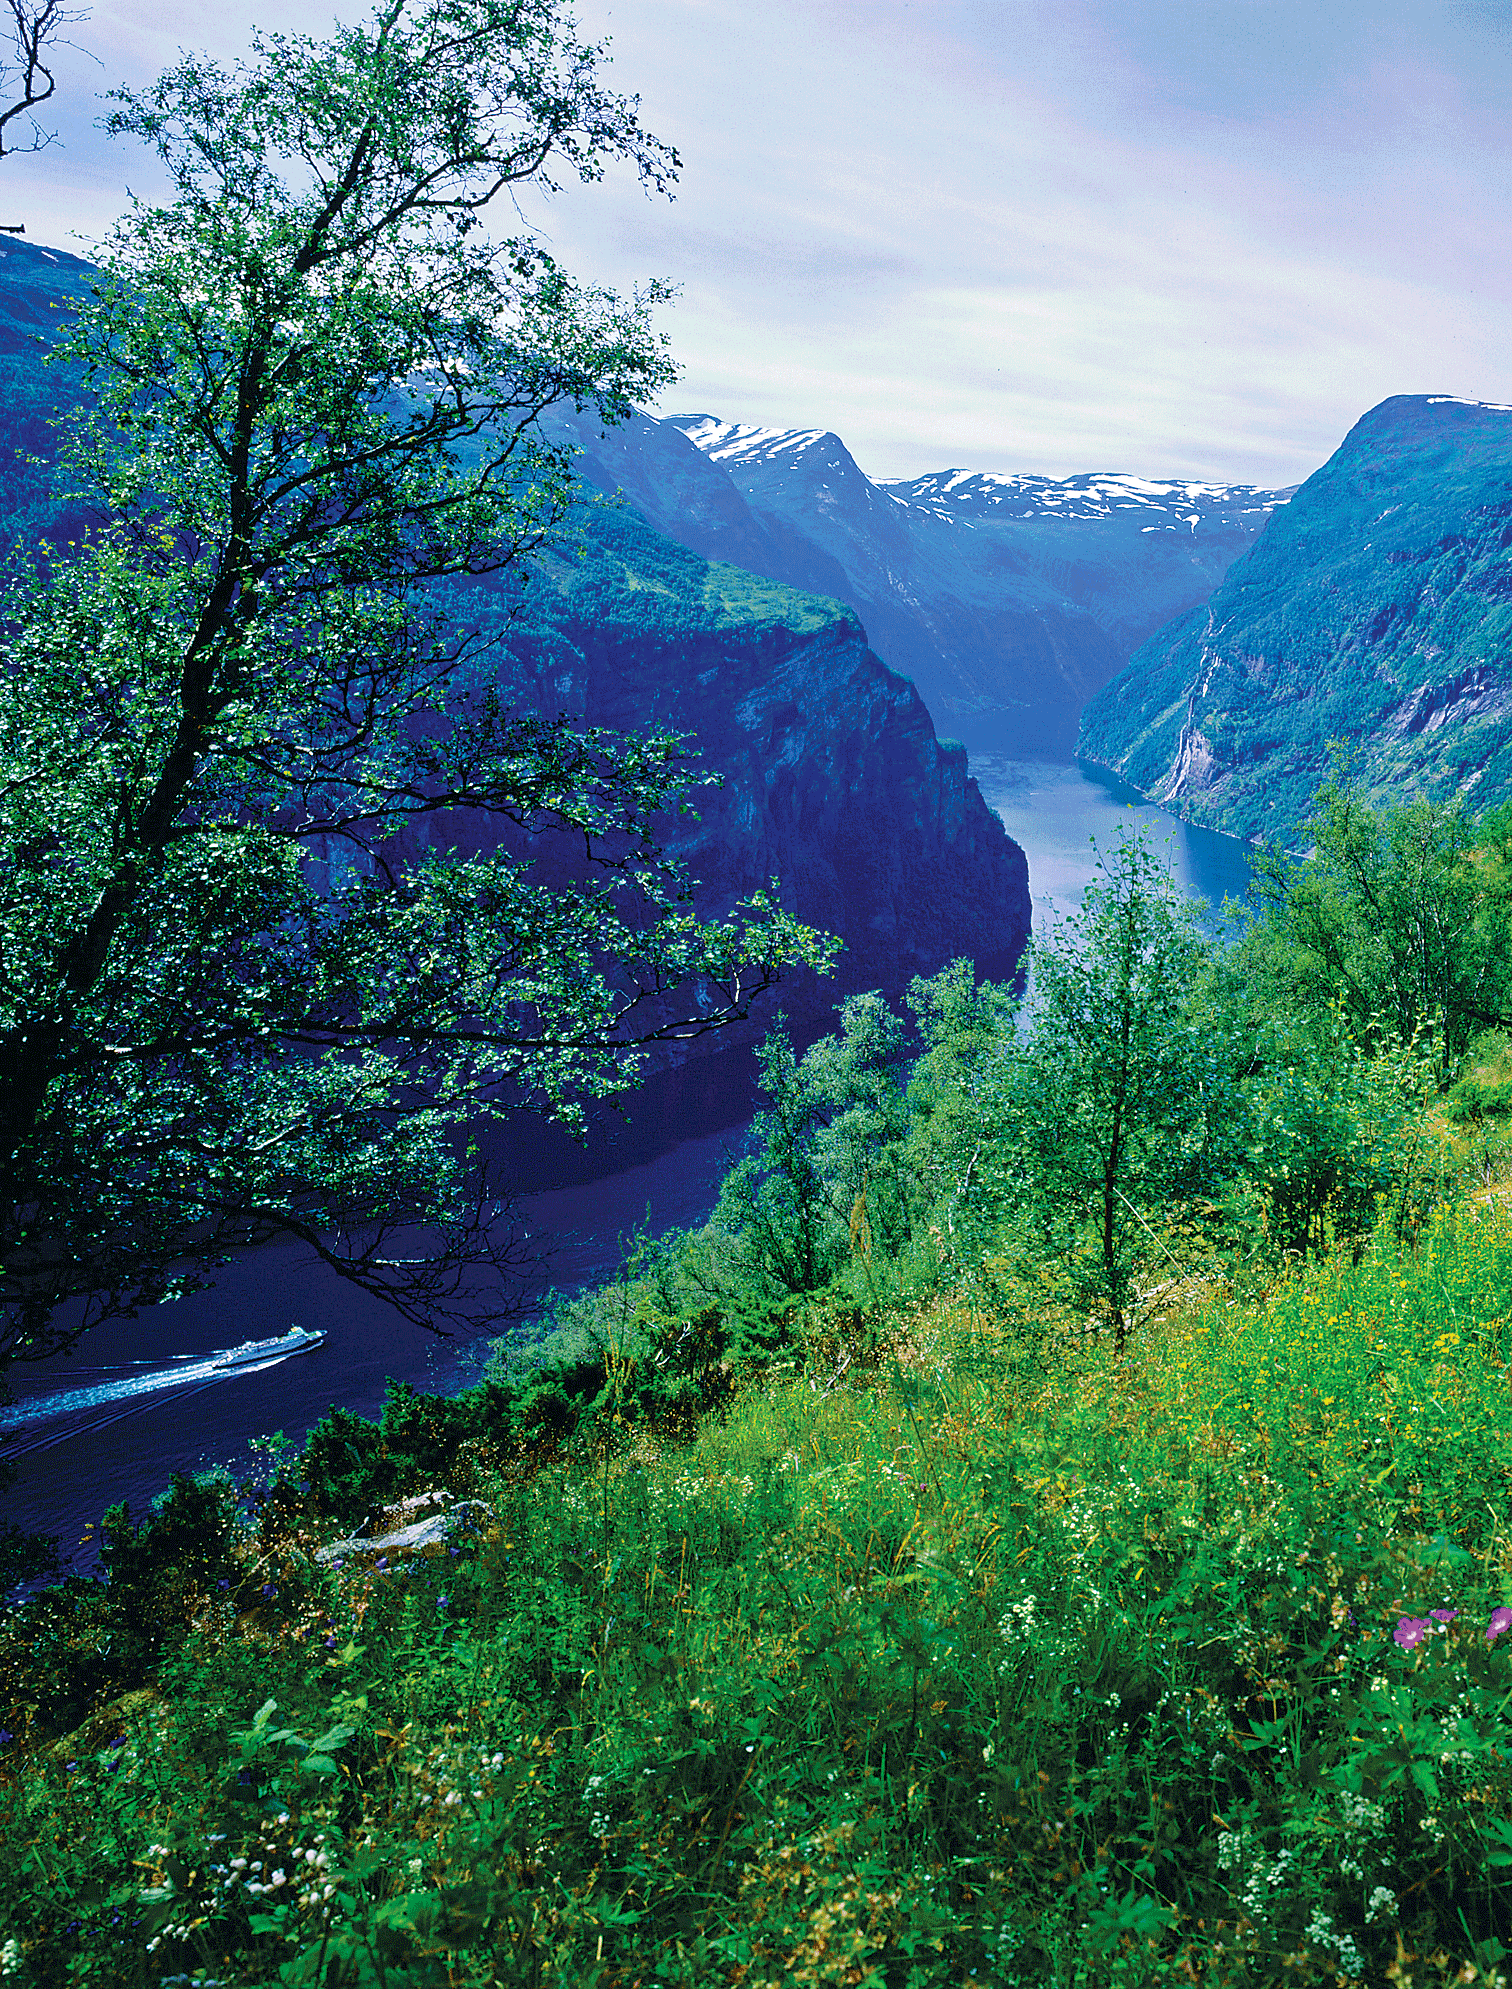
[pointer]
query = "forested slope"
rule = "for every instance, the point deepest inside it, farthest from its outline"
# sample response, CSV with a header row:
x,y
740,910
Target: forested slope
x,y
1376,609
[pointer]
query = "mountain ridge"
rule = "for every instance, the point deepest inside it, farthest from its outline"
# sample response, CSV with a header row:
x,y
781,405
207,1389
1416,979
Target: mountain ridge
x,y
1376,610
1086,494
1008,600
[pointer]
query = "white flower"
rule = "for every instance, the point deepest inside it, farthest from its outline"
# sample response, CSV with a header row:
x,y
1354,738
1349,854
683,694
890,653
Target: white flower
x,y
1359,1813
1381,1905
10,1957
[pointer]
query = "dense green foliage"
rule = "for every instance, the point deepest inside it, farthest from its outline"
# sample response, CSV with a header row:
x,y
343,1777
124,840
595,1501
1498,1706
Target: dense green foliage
x,y
966,1664
1126,1094
1373,608
242,992
834,1599
1404,919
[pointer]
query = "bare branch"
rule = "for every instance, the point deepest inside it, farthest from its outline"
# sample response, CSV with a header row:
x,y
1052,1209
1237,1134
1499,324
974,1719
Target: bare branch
x,y
26,78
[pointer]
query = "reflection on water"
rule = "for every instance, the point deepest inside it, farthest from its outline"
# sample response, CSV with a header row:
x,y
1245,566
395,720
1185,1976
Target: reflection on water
x,y
1057,812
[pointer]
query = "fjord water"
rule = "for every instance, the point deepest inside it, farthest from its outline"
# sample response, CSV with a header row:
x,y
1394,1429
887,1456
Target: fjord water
x,y
148,1398
1063,814
145,1397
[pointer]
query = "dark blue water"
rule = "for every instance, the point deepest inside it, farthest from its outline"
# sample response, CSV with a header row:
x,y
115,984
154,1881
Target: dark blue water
x,y
123,1443
151,1406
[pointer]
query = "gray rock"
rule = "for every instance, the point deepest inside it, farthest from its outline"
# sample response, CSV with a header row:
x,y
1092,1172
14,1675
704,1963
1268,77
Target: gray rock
x,y
431,1531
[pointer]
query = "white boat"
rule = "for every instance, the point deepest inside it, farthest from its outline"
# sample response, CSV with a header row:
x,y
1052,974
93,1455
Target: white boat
x,y
254,1353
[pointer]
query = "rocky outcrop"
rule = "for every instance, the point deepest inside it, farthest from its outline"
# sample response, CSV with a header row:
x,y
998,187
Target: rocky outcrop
x,y
833,781
414,1526
1375,610
1007,600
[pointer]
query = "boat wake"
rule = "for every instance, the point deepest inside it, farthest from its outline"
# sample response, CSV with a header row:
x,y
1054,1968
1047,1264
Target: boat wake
x,y
189,1372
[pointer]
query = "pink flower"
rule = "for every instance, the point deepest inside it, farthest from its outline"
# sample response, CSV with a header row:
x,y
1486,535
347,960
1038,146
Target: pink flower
x,y
1410,1631
1501,1619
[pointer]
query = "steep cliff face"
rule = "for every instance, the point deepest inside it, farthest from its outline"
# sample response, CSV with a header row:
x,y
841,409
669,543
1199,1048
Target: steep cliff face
x,y
833,779
833,782
1375,609
1008,600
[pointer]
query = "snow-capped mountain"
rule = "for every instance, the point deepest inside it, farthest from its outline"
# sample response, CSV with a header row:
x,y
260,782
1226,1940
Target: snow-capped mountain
x,y
1171,506
1175,504
1009,599
739,441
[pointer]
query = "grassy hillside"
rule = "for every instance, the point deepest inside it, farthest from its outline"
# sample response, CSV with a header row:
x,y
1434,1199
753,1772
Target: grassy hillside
x,y
878,1586
632,578
926,1660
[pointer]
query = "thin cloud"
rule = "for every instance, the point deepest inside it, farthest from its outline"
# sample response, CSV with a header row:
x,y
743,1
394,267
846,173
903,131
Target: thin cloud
x,y
1191,237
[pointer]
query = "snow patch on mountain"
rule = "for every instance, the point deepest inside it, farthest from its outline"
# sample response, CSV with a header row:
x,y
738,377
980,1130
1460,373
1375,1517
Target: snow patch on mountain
x,y
1459,400
1182,504
1174,504
742,442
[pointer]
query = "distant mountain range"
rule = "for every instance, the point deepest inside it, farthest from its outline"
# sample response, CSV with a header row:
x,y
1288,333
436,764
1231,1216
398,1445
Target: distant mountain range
x,y
1009,600
1376,610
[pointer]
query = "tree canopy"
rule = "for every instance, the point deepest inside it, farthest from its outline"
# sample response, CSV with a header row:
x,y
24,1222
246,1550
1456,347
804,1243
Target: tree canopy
x,y
249,985
1400,917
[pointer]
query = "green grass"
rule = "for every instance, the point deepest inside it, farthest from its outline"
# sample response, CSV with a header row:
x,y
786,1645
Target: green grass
x,y
945,1653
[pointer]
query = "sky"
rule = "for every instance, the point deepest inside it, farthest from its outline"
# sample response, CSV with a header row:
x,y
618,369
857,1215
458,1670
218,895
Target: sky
x,y
1168,237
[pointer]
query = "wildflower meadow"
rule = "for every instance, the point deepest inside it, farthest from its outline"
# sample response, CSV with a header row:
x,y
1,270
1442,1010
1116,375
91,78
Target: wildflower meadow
x,y
982,1593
